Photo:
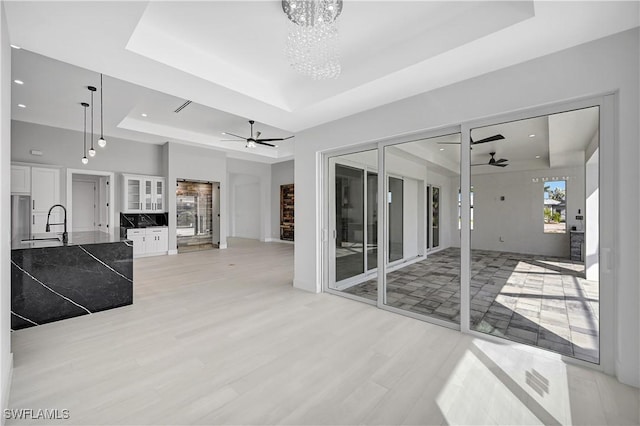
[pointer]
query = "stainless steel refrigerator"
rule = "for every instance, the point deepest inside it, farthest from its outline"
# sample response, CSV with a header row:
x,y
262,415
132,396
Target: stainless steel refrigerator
x,y
20,217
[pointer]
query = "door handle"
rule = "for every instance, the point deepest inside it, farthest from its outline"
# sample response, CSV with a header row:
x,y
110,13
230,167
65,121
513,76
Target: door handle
x,y
34,204
34,219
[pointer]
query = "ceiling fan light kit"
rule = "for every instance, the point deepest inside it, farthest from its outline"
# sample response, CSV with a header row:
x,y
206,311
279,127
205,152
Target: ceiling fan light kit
x,y
312,41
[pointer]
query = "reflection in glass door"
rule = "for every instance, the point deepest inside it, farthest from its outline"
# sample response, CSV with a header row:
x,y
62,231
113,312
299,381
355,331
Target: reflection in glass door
x,y
394,201
372,220
349,217
435,216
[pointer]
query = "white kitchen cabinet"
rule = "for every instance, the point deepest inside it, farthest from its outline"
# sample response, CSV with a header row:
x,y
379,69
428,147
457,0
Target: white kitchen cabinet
x,y
143,194
137,237
132,194
45,192
149,241
20,179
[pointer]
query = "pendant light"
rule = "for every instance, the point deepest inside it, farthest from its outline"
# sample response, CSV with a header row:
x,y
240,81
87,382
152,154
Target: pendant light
x,y
85,160
101,142
92,151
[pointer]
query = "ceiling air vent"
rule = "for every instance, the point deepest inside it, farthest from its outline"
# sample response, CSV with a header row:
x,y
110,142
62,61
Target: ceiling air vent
x,y
183,106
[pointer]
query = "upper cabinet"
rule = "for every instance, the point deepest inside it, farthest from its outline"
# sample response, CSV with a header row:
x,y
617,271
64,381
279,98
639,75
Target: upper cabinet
x,y
20,179
143,194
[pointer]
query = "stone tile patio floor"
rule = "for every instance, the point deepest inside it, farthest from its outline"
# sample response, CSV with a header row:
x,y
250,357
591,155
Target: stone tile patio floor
x,y
537,300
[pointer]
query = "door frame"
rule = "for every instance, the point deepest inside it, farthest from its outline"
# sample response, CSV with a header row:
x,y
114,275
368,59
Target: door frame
x,y
111,218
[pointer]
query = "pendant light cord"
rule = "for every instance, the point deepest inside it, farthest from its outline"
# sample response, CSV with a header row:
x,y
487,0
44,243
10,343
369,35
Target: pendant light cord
x,y
92,119
85,131
101,115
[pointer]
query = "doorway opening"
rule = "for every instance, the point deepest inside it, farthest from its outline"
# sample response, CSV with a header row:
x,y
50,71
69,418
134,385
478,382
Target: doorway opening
x,y
198,210
89,206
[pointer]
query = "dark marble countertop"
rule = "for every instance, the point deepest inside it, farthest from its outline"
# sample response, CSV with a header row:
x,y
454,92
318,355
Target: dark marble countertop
x,y
54,239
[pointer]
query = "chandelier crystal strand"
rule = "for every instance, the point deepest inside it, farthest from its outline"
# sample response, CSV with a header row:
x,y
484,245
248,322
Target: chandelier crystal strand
x,y
312,42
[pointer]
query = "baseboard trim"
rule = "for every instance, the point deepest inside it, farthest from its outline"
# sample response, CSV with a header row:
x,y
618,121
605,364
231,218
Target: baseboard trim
x,y
223,246
305,287
172,252
277,240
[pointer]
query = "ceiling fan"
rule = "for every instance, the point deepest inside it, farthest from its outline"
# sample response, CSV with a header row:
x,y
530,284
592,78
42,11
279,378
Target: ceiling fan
x,y
251,141
493,162
496,137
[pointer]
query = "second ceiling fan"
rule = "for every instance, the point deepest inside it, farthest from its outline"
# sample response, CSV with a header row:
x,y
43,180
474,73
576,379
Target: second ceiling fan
x,y
493,162
251,141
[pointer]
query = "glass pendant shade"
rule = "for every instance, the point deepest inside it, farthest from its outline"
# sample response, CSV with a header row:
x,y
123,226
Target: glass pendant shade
x,y
102,142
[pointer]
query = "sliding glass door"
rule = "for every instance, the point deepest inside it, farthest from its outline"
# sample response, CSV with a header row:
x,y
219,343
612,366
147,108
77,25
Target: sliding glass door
x,y
353,217
416,282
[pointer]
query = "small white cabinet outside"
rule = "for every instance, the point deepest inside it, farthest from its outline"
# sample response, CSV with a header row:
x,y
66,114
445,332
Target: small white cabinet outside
x,y
149,241
143,194
20,179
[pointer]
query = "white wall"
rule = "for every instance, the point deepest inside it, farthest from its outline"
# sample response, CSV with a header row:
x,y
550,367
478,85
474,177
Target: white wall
x,y
516,224
601,66
245,210
6,362
262,213
194,163
281,174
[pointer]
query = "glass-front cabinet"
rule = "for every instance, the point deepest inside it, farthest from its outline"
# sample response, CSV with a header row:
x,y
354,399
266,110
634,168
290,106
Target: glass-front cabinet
x,y
144,194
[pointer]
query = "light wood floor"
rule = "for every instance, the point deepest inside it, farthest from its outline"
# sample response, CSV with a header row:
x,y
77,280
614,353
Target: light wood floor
x,y
221,337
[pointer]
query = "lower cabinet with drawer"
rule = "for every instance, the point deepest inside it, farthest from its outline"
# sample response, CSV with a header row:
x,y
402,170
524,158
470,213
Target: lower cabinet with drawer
x,y
149,241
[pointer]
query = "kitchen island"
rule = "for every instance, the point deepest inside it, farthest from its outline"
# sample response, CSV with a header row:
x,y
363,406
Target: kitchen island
x,y
52,280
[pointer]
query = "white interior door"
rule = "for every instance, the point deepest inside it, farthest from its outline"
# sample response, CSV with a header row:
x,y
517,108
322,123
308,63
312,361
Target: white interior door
x,y
84,206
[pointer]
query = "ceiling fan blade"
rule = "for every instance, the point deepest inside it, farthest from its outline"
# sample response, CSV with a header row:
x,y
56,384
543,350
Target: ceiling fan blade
x,y
231,134
258,134
499,165
274,139
489,139
448,143
232,140
502,160
267,144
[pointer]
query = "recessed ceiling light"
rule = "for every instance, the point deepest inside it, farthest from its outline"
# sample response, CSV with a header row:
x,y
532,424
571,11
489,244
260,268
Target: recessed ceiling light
x,y
224,133
537,156
275,146
18,81
532,135
143,114
441,149
22,105
15,47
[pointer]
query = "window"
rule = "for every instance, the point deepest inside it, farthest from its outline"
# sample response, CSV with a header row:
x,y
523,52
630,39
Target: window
x,y
555,207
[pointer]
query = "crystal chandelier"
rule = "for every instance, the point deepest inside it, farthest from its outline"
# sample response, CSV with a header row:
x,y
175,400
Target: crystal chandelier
x,y
312,43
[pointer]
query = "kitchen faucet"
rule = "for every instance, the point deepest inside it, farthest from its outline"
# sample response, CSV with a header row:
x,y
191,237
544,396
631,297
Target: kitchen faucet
x,y
65,236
